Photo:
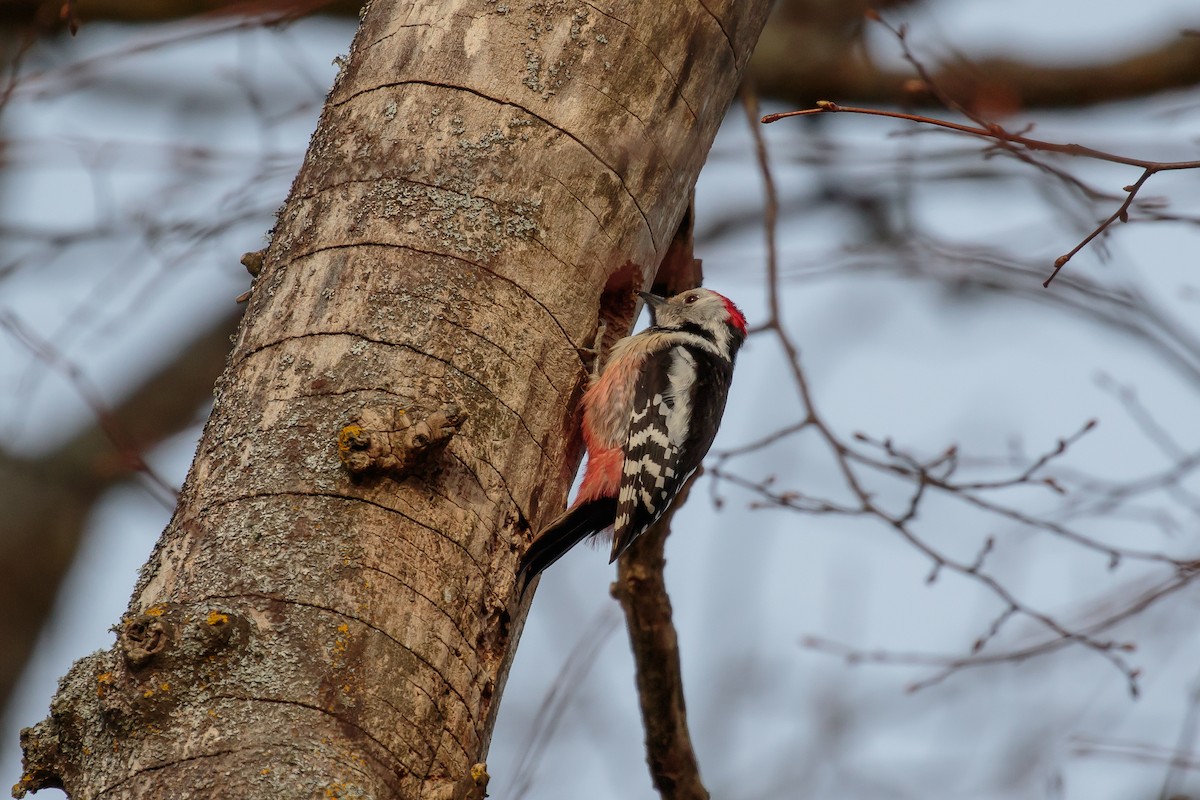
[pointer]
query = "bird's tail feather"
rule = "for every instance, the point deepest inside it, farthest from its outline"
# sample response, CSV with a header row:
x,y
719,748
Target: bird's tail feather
x,y
563,533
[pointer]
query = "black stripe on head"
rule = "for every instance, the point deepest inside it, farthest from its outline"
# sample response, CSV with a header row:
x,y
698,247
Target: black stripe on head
x,y
698,330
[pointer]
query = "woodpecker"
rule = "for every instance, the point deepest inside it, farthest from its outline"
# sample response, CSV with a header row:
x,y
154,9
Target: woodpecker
x,y
648,421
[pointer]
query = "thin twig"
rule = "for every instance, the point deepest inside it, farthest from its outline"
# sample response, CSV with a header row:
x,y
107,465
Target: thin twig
x,y
130,453
992,132
1016,144
938,472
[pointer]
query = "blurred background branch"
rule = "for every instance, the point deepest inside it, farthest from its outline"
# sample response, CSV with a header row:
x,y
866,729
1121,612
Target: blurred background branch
x,y
812,50
48,498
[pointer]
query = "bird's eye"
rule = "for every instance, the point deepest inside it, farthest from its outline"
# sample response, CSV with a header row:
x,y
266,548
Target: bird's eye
x,y
691,298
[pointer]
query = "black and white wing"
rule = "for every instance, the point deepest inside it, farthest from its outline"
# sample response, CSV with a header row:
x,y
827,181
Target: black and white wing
x,y
677,408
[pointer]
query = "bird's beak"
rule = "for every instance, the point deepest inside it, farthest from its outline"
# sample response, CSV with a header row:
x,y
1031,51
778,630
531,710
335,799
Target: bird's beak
x,y
653,301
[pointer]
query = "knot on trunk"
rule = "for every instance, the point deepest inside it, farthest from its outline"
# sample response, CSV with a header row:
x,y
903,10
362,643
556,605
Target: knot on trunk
x,y
142,637
43,759
388,439
472,786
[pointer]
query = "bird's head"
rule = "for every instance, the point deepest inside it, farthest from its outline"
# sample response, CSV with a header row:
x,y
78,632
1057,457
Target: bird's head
x,y
697,308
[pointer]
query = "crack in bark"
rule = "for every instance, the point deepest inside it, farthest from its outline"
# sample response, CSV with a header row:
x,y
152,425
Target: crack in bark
x,y
350,499
441,718
437,748
483,524
653,53
721,25
389,769
511,358
155,768
520,289
397,28
630,112
455,256
367,624
470,470
406,179
403,345
439,85
503,485
599,223
479,568
402,645
483,267
469,508
453,622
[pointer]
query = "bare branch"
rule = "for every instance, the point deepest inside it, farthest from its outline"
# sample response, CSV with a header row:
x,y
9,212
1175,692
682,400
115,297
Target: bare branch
x,y
1017,145
642,592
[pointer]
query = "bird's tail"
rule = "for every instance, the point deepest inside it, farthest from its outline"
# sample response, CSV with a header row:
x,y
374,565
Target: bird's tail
x,y
563,533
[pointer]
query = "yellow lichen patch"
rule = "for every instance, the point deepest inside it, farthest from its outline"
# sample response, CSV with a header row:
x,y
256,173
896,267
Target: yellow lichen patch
x,y
156,610
265,771
339,644
216,618
348,436
104,677
148,693
164,687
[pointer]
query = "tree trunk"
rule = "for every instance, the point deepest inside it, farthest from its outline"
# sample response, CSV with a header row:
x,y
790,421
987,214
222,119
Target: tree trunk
x,y
482,177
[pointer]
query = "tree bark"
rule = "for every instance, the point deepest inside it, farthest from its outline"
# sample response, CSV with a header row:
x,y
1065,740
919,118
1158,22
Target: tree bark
x,y
483,177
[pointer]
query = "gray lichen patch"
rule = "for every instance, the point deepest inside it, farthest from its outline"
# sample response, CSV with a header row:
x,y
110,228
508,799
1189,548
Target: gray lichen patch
x,y
472,152
115,702
533,71
471,226
579,23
